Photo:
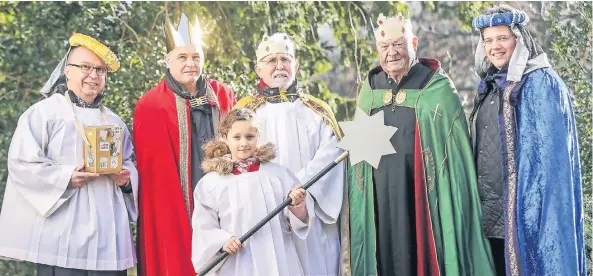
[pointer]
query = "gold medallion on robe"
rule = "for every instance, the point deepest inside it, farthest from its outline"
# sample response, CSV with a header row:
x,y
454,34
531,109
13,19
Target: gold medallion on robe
x,y
400,97
387,97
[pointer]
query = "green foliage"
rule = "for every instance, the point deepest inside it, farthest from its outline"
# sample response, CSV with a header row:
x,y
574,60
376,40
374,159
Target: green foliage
x,y
573,63
466,11
572,59
33,38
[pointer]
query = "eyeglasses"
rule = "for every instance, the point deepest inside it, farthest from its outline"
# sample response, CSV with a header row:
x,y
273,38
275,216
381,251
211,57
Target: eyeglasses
x,y
273,61
87,69
500,38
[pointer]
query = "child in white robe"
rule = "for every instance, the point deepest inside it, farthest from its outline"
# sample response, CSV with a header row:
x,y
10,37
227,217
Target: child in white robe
x,y
240,188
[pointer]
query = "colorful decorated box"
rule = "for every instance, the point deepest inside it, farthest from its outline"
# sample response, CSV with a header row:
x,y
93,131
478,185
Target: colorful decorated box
x,y
104,154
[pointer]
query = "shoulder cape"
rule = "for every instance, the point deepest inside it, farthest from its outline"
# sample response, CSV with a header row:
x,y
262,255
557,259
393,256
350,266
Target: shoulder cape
x,y
318,106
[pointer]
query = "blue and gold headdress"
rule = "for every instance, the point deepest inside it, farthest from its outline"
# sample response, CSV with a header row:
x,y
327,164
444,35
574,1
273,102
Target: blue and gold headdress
x,y
500,19
527,56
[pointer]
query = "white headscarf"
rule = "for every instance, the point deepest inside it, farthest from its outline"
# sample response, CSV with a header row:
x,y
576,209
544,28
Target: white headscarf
x,y
51,84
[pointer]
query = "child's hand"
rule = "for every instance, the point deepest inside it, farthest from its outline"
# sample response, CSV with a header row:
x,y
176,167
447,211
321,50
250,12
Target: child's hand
x,y
297,195
232,246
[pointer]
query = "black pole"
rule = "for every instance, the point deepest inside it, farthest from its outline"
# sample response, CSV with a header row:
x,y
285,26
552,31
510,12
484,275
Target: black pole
x,y
271,215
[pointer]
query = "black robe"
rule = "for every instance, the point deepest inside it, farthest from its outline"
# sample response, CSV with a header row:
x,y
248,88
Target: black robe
x,y
202,129
394,179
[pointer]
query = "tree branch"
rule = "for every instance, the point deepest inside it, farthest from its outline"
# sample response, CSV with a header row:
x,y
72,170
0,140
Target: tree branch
x,y
355,32
155,19
585,71
123,34
10,77
226,22
125,24
4,95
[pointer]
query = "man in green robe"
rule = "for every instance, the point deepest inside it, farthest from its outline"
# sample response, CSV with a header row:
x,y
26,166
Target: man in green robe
x,y
419,212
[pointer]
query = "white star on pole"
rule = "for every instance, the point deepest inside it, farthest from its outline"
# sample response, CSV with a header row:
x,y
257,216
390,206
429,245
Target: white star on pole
x,y
366,138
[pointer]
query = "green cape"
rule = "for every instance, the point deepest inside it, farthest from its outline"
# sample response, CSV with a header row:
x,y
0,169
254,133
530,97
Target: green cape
x,y
451,240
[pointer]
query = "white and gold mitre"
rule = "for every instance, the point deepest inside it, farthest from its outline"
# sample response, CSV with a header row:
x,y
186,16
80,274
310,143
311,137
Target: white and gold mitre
x,y
277,43
187,32
391,27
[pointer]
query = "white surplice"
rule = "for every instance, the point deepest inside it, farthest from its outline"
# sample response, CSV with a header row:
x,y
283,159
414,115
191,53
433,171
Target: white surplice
x,y
230,205
306,144
44,220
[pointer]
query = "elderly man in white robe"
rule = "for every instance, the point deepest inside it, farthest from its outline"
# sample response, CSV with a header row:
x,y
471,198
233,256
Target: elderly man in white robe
x,y
306,134
68,221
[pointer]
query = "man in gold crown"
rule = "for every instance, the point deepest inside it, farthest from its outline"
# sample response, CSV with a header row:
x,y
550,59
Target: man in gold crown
x,y
67,220
419,212
306,133
171,123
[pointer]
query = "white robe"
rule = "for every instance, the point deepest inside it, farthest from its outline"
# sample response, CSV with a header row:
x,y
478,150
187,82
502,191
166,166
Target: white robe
x,y
44,220
230,205
306,144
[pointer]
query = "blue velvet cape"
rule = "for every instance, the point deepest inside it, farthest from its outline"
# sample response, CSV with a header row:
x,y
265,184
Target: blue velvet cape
x,y
541,168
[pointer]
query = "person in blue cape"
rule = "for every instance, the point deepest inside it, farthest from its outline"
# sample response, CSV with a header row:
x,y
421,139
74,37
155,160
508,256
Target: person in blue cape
x,y
526,152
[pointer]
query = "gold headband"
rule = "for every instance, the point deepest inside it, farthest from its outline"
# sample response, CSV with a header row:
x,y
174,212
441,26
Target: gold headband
x,y
96,47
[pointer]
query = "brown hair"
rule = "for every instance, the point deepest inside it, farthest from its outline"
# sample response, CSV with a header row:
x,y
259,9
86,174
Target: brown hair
x,y
218,148
235,115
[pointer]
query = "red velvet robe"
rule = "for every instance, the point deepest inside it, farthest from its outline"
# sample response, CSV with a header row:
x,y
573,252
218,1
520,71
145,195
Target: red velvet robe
x,y
162,138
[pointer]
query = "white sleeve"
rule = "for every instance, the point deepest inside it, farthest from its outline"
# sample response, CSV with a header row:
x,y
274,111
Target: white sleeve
x,y
327,191
299,227
43,182
207,237
131,199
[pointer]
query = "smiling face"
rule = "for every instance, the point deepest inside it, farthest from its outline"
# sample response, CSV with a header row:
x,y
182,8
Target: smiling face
x,y
395,54
86,73
242,140
185,64
277,70
499,44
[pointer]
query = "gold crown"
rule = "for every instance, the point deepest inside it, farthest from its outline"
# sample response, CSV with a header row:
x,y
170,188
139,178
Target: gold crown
x,y
186,33
392,27
277,43
96,47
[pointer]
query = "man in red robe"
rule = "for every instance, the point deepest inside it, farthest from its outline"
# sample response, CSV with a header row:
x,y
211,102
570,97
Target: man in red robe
x,y
171,122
